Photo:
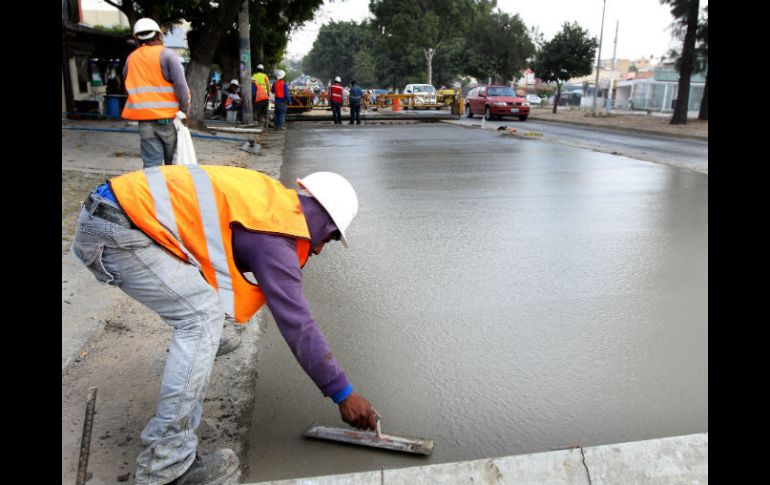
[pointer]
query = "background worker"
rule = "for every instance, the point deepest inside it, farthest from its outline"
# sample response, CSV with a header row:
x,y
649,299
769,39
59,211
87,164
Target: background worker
x,y
335,98
355,103
261,92
282,99
176,262
157,89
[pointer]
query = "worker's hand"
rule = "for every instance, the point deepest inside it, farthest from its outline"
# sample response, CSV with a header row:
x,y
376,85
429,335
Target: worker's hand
x,y
184,121
358,412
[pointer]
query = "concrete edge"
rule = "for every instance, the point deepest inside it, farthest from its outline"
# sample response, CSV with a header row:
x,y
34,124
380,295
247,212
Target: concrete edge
x,y
677,459
622,129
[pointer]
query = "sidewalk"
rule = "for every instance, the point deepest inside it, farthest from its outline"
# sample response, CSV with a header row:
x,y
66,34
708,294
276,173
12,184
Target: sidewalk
x,y
638,121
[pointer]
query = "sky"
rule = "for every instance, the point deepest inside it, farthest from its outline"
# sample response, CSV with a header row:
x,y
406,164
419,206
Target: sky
x,y
643,24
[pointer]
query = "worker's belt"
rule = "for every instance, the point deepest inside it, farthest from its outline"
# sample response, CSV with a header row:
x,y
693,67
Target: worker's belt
x,y
162,121
108,212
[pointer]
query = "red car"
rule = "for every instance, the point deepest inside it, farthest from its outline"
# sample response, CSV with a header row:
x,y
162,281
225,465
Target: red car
x,y
495,102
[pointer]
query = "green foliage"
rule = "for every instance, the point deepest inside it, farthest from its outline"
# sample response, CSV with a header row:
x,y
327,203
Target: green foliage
x,y
498,45
342,49
569,54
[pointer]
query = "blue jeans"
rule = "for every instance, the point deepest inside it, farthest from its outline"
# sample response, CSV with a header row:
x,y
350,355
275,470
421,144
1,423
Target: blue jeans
x,y
128,259
280,114
355,112
157,142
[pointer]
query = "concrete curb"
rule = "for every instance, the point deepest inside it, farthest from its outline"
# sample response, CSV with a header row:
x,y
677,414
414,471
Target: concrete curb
x,y
622,129
679,459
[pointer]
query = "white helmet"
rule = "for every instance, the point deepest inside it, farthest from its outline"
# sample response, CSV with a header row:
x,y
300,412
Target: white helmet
x,y
336,195
337,79
146,25
260,66
235,81
279,74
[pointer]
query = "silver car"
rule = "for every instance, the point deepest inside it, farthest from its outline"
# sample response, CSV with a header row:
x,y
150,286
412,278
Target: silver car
x,y
534,99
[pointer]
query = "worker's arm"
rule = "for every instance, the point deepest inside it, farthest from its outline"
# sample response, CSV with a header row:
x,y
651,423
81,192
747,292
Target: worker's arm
x,y
287,93
173,72
273,262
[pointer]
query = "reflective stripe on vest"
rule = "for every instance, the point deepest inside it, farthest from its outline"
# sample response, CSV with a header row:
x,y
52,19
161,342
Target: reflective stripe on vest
x,y
336,93
279,89
150,96
189,210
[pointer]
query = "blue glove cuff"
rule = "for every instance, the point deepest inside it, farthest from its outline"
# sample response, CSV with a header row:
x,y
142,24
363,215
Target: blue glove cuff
x,y
340,396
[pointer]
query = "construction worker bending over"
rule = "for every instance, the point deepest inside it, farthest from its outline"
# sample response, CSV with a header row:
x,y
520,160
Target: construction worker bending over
x,y
157,89
179,239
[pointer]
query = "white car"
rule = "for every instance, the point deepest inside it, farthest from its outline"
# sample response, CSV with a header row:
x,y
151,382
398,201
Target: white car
x,y
423,93
534,99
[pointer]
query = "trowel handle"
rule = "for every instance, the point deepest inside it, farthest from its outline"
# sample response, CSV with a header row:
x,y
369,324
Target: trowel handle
x,y
379,427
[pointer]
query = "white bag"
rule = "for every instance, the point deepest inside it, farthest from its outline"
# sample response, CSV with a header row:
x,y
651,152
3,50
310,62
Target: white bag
x,y
185,151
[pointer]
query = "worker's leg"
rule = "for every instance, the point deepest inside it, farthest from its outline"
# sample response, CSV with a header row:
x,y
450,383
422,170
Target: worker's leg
x,y
128,259
151,147
167,134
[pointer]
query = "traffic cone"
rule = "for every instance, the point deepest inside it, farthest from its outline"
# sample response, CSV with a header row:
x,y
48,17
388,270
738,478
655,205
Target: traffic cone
x,y
396,105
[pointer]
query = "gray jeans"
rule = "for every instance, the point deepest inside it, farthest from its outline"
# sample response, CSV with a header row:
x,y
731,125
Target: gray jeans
x,y
127,258
157,142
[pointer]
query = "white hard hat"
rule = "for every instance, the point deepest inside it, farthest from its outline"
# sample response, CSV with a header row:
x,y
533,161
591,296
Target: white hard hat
x,y
235,81
146,25
337,79
279,74
260,66
336,195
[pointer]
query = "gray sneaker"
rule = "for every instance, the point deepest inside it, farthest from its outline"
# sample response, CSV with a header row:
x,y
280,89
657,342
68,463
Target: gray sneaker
x,y
212,468
229,342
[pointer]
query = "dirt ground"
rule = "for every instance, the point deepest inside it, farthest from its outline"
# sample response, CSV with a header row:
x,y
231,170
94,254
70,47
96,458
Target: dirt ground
x,y
125,360
641,121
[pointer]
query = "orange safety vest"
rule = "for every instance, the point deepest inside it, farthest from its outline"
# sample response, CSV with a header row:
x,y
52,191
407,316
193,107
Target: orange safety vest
x,y
336,93
263,86
189,211
150,96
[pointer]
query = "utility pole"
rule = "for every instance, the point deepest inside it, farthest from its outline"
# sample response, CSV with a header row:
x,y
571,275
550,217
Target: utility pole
x,y
244,37
598,59
612,71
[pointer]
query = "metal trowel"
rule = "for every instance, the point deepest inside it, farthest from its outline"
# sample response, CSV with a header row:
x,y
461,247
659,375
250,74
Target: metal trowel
x,y
375,439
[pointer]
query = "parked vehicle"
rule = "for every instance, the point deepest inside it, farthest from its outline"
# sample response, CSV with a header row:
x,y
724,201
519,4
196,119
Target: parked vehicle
x,y
495,102
534,99
424,93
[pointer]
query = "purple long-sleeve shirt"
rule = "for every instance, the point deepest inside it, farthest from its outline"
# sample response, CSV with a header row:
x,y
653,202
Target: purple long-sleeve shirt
x,y
273,261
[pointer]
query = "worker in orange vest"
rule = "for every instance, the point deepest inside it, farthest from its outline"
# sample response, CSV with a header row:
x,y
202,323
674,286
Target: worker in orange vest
x,y
261,90
157,89
195,243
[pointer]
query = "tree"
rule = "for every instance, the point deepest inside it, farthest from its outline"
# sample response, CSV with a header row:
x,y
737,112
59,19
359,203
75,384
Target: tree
x,y
498,45
417,28
685,13
569,54
703,51
341,49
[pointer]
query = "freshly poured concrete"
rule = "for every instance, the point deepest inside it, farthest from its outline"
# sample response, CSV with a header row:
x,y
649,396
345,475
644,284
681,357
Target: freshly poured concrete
x,y
500,296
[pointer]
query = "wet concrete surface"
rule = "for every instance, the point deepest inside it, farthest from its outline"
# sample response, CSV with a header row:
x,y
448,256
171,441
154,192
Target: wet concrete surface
x,y
678,152
500,296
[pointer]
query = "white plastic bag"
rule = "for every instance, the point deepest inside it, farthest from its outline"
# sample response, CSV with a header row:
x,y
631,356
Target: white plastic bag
x,y
185,151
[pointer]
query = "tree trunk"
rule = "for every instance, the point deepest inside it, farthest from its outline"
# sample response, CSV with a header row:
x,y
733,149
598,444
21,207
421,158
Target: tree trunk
x,y
429,52
704,104
202,53
247,115
556,98
687,65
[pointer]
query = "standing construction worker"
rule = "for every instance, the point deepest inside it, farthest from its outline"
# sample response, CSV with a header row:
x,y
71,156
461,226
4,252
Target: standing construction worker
x,y
179,239
335,98
157,89
282,99
261,90
355,103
